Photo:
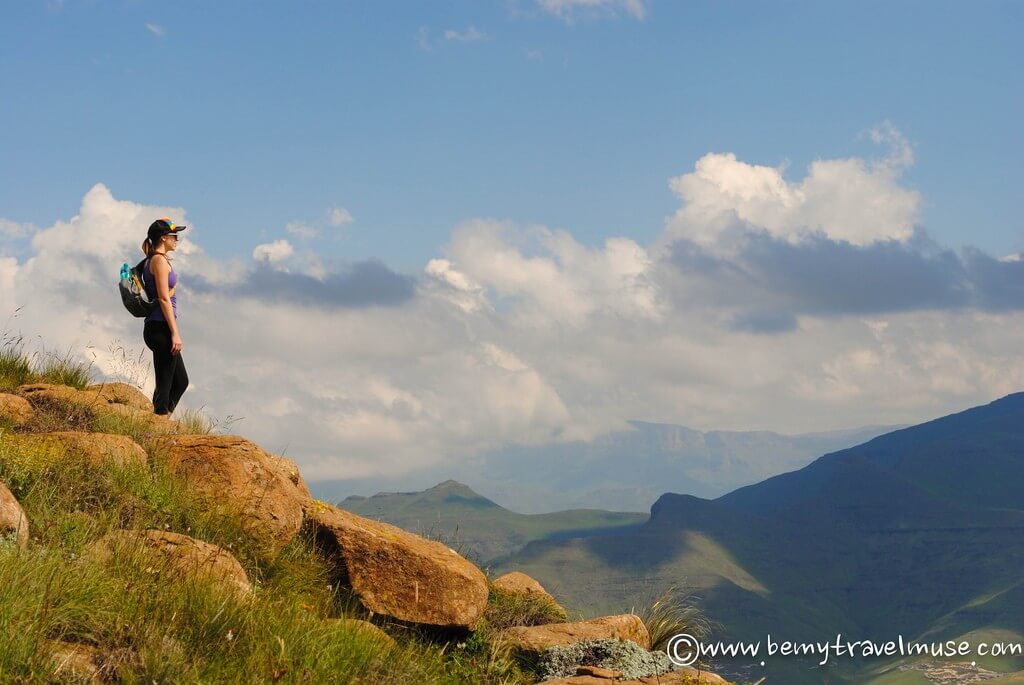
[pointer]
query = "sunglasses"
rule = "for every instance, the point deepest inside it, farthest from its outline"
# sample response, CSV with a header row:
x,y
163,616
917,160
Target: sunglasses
x,y
171,235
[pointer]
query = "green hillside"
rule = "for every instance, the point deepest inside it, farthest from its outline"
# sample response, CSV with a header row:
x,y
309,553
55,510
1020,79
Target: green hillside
x,y
478,527
916,533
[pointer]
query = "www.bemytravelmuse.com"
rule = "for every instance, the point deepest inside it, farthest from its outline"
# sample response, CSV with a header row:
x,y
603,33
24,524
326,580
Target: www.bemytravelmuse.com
x,y
685,650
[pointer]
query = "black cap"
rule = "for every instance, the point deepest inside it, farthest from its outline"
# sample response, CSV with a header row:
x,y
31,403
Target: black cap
x,y
162,227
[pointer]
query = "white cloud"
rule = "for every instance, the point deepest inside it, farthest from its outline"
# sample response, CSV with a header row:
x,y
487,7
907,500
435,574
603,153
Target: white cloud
x,y
156,29
301,229
339,216
523,333
851,200
471,35
569,10
274,252
13,230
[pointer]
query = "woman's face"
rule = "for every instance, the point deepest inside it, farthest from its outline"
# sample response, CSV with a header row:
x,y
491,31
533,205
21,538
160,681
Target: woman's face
x,y
170,242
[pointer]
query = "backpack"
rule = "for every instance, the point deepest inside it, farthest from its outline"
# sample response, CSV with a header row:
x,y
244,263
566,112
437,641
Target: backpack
x,y
133,292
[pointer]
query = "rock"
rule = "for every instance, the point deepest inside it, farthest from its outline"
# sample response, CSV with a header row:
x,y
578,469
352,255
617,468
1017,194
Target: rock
x,y
598,672
74,662
686,676
122,393
364,627
177,555
96,448
290,470
14,410
521,585
398,574
97,402
12,518
531,641
234,475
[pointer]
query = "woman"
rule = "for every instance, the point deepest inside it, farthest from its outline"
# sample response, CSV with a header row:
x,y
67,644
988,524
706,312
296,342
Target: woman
x,y
161,328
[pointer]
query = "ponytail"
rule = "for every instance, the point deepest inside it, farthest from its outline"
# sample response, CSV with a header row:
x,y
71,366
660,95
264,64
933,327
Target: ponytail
x,y
146,246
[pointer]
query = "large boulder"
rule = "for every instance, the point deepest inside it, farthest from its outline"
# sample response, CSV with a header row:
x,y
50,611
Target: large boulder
x,y
96,448
98,402
398,574
12,518
523,587
531,641
290,470
683,676
14,410
178,556
235,476
122,393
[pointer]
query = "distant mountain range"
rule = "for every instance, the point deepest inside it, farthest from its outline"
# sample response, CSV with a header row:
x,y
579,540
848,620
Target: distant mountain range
x,y
622,471
479,528
917,533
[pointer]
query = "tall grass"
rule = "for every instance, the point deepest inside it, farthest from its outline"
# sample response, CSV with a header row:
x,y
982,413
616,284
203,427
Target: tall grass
x,y
17,367
146,627
674,611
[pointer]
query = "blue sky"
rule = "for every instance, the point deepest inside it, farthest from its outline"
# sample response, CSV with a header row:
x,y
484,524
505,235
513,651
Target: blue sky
x,y
253,115
421,232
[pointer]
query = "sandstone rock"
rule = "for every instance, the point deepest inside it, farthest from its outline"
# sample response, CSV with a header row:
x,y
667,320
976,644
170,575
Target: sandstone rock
x,y
364,627
684,676
521,585
235,475
96,448
290,470
74,662
98,401
12,518
14,410
177,555
399,574
532,640
122,393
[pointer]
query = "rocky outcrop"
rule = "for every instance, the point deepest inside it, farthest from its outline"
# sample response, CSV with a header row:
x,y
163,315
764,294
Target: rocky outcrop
x,y
14,410
683,676
121,393
235,476
96,448
97,402
290,470
531,641
13,522
179,556
520,585
399,574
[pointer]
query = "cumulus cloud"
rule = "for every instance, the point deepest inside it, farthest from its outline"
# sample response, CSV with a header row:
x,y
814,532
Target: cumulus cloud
x,y
569,10
757,308
274,252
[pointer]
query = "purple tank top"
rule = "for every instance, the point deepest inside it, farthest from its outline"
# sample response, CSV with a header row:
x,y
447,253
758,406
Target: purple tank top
x,y
149,282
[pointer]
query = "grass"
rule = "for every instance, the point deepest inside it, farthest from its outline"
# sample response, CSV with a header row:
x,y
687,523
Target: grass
x,y
673,612
144,628
18,367
506,610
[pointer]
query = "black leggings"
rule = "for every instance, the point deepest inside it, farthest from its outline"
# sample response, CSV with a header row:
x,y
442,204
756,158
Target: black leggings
x,y
171,377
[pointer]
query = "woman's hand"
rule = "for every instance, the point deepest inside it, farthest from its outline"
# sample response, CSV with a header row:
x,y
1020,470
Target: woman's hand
x,y
175,344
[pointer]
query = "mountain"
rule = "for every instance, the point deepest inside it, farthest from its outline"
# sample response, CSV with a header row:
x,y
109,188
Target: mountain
x,y
482,529
622,471
918,532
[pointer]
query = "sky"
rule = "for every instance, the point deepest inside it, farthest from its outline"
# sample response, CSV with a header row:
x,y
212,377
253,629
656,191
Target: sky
x,y
421,231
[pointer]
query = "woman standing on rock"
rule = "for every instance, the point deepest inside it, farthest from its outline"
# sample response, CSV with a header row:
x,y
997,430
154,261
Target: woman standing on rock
x,y
161,328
